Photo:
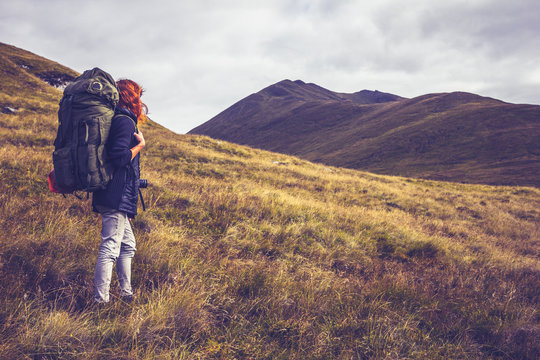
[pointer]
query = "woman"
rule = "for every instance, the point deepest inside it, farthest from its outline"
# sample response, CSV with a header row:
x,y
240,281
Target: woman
x,y
118,202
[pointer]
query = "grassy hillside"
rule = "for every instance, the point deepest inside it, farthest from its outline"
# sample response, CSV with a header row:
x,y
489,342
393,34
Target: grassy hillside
x,y
458,137
247,254
28,80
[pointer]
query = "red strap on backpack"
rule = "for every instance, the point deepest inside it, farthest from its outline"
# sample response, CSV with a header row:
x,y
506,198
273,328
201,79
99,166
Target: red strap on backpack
x,y
54,187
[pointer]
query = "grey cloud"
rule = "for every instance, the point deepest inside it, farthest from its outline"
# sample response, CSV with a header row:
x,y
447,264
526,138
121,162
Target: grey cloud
x,y
195,58
497,27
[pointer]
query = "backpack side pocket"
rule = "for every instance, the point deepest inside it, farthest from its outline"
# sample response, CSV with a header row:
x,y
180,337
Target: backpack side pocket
x,y
63,168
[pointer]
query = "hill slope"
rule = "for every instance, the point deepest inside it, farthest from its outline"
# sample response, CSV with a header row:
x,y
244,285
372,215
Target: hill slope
x,y
29,80
249,254
450,136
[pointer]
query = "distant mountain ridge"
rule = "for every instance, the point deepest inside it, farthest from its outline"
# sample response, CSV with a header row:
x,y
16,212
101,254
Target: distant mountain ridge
x,y
455,136
308,91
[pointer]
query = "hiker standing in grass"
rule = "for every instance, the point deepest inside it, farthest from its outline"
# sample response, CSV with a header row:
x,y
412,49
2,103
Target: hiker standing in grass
x,y
118,202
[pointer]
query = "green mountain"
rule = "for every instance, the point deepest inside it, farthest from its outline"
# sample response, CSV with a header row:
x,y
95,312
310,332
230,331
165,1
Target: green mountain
x,y
249,254
457,137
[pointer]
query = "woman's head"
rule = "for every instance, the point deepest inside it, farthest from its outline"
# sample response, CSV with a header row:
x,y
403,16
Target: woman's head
x,y
130,98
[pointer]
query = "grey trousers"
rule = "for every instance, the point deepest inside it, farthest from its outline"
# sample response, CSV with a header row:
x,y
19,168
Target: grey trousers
x,y
117,245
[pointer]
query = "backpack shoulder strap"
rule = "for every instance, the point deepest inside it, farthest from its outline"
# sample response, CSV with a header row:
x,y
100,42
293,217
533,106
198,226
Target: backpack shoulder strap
x,y
129,117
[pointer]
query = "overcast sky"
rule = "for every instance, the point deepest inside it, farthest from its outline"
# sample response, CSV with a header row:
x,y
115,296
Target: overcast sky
x,y
195,58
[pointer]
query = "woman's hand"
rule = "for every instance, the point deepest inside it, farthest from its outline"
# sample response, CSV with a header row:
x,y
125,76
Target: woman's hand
x,y
140,138
137,148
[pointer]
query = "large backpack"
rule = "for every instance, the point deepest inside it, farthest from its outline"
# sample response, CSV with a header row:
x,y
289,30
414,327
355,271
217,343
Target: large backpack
x,y
85,115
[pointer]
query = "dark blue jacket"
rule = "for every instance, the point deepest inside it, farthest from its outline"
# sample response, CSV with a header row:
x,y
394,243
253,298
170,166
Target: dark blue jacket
x,y
123,190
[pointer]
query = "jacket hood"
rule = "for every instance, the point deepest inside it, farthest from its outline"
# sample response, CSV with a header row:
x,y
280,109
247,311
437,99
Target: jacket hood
x,y
124,111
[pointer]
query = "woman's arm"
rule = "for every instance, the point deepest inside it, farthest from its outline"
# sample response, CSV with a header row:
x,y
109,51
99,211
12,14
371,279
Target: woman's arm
x,y
120,136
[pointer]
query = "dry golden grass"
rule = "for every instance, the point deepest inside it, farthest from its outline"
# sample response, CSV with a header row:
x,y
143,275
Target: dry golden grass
x,y
246,254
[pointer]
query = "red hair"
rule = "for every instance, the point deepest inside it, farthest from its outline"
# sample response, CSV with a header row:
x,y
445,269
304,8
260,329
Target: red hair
x,y
130,98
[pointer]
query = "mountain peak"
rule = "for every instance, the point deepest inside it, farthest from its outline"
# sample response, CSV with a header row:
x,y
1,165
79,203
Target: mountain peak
x,y
300,90
371,97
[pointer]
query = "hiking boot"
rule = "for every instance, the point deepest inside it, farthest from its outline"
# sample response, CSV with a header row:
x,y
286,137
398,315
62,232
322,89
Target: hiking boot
x,y
98,306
